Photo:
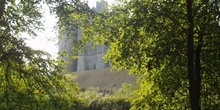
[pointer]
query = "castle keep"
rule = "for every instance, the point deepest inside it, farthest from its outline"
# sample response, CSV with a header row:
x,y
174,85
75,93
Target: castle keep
x,y
89,59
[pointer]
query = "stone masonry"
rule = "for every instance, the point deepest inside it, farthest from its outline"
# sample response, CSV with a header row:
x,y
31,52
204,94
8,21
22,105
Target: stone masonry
x,y
91,58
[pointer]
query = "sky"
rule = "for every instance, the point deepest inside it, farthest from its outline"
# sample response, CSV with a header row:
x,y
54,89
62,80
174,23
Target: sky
x,y
47,40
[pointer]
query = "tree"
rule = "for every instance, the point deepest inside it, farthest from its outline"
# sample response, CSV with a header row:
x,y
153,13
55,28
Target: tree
x,y
29,78
172,46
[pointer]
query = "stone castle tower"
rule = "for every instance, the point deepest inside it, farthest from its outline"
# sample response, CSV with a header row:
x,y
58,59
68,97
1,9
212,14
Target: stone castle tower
x,y
91,58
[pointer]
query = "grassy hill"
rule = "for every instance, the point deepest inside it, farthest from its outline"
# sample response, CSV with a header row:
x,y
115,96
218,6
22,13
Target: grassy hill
x,y
103,79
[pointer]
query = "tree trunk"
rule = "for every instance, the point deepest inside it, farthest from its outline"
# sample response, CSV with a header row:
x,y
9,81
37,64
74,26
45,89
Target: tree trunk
x,y
2,8
193,63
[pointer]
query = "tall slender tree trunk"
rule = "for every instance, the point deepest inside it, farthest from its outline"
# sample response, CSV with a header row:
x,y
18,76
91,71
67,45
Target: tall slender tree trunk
x,y
2,8
193,62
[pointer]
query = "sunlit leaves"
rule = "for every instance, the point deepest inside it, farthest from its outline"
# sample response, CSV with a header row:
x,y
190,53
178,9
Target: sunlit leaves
x,y
149,38
29,79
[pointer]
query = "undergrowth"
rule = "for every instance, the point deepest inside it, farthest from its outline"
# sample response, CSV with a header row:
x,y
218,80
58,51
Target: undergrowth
x,y
95,99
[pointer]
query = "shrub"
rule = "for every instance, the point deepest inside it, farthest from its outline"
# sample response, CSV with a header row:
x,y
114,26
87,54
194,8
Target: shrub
x,y
93,99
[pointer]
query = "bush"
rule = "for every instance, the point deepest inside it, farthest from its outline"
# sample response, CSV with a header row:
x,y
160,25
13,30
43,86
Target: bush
x,y
111,104
93,99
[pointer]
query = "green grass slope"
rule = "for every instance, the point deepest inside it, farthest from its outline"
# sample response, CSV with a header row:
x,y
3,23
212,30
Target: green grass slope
x,y
103,79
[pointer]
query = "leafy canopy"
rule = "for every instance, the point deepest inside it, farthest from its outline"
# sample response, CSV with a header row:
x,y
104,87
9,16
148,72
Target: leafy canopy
x,y
149,38
29,79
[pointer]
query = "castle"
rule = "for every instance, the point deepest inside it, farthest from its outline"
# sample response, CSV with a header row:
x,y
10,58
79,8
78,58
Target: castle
x,y
89,59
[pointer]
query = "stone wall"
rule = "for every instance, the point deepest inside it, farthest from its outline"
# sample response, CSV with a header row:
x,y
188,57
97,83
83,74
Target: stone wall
x,y
91,58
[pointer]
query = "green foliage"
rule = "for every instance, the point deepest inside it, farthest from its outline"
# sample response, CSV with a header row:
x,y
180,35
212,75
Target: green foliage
x,y
29,79
149,38
110,105
94,99
34,82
